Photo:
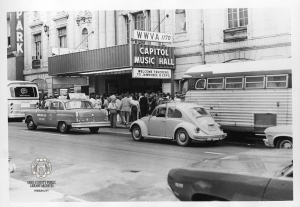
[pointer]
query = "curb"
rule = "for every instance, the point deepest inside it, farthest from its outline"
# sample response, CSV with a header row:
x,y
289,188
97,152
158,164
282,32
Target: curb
x,y
234,143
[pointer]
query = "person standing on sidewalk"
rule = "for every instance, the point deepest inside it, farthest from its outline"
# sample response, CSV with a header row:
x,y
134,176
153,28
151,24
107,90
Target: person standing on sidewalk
x,y
143,105
125,109
135,108
112,106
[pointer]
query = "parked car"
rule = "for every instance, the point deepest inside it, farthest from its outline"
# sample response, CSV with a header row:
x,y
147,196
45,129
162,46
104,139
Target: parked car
x,y
65,114
261,175
279,136
178,121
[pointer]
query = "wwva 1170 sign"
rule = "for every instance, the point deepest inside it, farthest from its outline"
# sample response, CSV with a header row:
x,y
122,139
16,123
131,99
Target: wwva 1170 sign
x,y
151,36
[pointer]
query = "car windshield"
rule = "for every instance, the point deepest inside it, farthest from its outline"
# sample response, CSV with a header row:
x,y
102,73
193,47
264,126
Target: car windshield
x,y
198,111
79,105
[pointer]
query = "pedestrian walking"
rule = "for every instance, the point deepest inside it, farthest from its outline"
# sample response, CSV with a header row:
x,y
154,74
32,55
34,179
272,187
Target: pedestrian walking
x,y
125,109
112,106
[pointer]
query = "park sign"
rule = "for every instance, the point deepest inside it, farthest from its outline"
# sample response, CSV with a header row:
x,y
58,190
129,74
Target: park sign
x,y
151,36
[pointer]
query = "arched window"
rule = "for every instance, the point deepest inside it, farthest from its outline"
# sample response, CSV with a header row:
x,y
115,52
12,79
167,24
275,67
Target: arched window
x,y
85,43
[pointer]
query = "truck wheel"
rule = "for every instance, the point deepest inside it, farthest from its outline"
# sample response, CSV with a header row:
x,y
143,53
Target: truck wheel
x,y
30,124
285,143
63,127
94,129
182,138
137,133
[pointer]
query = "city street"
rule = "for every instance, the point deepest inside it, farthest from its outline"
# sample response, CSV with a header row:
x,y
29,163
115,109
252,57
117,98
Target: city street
x,y
105,167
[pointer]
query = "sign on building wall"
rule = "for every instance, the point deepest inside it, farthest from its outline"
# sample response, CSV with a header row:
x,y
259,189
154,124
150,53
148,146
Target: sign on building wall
x,y
151,36
20,33
151,73
152,56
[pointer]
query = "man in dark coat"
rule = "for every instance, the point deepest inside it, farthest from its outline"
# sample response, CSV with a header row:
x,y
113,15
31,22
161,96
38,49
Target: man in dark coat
x,y
143,105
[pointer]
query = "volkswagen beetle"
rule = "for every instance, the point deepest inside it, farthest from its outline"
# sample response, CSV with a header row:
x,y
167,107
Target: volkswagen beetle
x,y
178,121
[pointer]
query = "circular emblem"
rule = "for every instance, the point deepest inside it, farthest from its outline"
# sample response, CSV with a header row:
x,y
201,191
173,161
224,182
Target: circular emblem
x,y
50,116
24,91
41,167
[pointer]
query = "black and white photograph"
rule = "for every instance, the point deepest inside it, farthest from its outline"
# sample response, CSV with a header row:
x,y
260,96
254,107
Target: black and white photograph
x,y
167,103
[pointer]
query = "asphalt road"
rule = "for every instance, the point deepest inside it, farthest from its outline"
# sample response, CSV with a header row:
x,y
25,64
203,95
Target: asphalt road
x,y
106,167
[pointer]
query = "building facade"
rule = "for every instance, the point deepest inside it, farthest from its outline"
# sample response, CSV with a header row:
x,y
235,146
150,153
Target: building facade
x,y
102,43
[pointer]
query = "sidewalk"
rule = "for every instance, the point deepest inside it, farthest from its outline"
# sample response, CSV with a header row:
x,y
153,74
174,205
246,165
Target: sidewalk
x,y
20,191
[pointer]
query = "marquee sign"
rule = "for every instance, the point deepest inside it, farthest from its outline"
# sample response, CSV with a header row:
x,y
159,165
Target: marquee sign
x,y
152,36
152,56
151,73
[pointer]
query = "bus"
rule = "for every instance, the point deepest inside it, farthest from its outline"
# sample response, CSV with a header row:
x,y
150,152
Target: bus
x,y
21,95
246,96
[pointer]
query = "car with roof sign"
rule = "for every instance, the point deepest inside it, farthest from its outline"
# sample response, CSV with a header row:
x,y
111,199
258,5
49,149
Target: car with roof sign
x,y
65,114
255,175
180,121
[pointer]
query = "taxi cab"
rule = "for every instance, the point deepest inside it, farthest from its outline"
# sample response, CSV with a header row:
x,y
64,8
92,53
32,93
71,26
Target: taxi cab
x,y
65,114
180,121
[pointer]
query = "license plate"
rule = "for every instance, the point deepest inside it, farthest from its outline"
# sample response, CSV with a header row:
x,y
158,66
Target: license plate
x,y
24,105
212,128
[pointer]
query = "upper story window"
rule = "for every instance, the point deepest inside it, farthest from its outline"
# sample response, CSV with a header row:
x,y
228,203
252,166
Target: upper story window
x,y
127,22
37,46
149,20
85,43
139,21
180,20
62,37
8,33
237,17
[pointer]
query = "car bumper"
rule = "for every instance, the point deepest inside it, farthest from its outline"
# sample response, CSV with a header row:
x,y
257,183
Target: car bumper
x,y
209,137
267,143
89,124
22,115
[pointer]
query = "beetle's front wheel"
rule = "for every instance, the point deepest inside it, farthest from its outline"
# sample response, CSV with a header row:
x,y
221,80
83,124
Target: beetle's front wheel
x,y
137,133
183,138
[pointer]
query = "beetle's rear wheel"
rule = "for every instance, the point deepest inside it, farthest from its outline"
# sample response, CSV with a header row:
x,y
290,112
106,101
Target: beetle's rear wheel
x,y
183,138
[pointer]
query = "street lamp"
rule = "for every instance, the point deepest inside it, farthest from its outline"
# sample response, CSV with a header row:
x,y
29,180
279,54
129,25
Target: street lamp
x,y
46,30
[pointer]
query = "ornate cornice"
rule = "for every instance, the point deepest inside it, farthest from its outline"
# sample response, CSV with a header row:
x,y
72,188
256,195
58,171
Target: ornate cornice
x,y
84,17
61,15
36,21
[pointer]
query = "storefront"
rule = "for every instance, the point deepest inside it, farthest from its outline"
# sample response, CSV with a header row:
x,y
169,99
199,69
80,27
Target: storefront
x,y
119,69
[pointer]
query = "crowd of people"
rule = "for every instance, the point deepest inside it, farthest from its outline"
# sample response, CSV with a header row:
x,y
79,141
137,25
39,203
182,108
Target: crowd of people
x,y
128,107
